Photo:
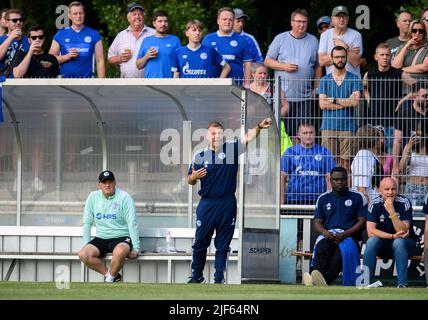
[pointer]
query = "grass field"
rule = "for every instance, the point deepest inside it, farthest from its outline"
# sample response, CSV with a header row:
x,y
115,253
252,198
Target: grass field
x,y
134,291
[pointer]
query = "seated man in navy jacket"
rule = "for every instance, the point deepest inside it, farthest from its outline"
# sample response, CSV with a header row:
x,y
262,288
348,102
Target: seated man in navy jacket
x,y
340,216
390,230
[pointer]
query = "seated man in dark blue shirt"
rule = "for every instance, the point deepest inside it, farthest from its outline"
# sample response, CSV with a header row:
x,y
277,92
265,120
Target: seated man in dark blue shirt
x,y
390,230
340,216
216,166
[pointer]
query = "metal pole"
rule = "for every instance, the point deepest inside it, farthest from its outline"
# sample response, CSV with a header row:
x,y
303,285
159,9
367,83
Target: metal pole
x,y
187,153
15,124
242,159
277,110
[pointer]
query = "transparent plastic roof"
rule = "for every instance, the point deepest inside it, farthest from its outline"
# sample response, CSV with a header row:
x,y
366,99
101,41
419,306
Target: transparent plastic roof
x,y
76,127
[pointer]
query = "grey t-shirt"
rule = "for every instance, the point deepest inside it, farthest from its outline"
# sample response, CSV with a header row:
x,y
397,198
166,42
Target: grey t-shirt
x,y
351,37
394,44
303,51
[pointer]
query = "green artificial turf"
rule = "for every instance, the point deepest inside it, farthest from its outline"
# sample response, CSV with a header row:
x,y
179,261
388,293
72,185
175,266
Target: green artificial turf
x,y
132,291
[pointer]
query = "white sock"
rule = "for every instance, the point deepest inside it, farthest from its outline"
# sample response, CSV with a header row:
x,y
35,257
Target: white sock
x,y
108,277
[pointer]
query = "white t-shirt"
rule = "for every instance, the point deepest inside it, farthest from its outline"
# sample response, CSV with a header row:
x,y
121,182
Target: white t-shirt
x,y
351,37
363,168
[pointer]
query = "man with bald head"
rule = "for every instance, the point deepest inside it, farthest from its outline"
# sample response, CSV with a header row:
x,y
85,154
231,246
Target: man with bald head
x,y
403,24
390,230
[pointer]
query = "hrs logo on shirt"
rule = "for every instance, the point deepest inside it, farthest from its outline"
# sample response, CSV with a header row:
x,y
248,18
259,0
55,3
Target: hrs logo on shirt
x,y
105,216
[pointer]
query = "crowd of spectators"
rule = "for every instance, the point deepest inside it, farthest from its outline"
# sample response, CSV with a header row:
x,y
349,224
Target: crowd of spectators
x,y
321,81
372,125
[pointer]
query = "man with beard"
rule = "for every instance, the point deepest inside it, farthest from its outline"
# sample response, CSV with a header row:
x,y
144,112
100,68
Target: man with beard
x,y
340,216
157,52
339,95
123,51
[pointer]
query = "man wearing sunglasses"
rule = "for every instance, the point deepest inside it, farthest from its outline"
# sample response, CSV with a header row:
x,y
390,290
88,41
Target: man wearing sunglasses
x,y
13,42
36,63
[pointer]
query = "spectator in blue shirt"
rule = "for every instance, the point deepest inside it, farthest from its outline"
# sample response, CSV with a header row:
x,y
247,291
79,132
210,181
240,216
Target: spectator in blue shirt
x,y
156,53
305,169
340,92
75,47
233,47
196,60
390,230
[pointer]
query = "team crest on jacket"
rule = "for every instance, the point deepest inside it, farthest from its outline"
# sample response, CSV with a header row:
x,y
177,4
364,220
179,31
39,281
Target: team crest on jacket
x,y
88,39
233,43
222,155
204,56
115,205
318,157
348,203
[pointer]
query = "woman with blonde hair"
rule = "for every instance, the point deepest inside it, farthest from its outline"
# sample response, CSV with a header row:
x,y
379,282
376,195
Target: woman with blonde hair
x,y
412,57
366,168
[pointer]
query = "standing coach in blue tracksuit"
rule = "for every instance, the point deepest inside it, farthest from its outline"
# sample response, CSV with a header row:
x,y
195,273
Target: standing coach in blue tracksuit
x,y
216,166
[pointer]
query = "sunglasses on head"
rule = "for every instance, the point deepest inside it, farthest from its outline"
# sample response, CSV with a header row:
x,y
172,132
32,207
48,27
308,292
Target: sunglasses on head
x,y
418,30
37,37
16,20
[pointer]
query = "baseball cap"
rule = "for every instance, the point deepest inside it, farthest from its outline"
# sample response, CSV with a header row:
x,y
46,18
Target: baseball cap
x,y
106,175
239,13
323,19
133,6
339,9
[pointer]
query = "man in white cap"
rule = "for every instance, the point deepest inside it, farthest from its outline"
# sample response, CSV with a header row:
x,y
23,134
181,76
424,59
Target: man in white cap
x,y
342,36
124,49
238,27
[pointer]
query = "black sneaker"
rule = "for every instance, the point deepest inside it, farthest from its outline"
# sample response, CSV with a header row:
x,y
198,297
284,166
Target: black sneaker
x,y
118,278
401,286
193,280
219,281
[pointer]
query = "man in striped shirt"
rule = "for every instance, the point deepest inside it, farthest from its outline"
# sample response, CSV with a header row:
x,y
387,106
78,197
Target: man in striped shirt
x,y
124,49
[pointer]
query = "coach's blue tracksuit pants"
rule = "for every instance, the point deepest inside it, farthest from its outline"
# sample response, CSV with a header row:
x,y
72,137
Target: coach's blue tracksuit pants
x,y
218,215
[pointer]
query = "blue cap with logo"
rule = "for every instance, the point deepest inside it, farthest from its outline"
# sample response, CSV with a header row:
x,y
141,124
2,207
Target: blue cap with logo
x,y
106,175
322,20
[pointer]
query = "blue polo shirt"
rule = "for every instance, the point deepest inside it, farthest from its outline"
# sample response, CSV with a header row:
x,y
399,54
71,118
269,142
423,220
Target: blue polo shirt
x,y
84,41
200,63
341,210
235,50
159,67
221,166
379,215
306,169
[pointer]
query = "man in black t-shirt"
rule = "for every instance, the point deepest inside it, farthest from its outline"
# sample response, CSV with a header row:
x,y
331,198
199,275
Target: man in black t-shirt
x,y
36,63
383,85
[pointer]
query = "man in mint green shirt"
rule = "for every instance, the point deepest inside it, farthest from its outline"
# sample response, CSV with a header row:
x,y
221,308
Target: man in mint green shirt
x,y
117,232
